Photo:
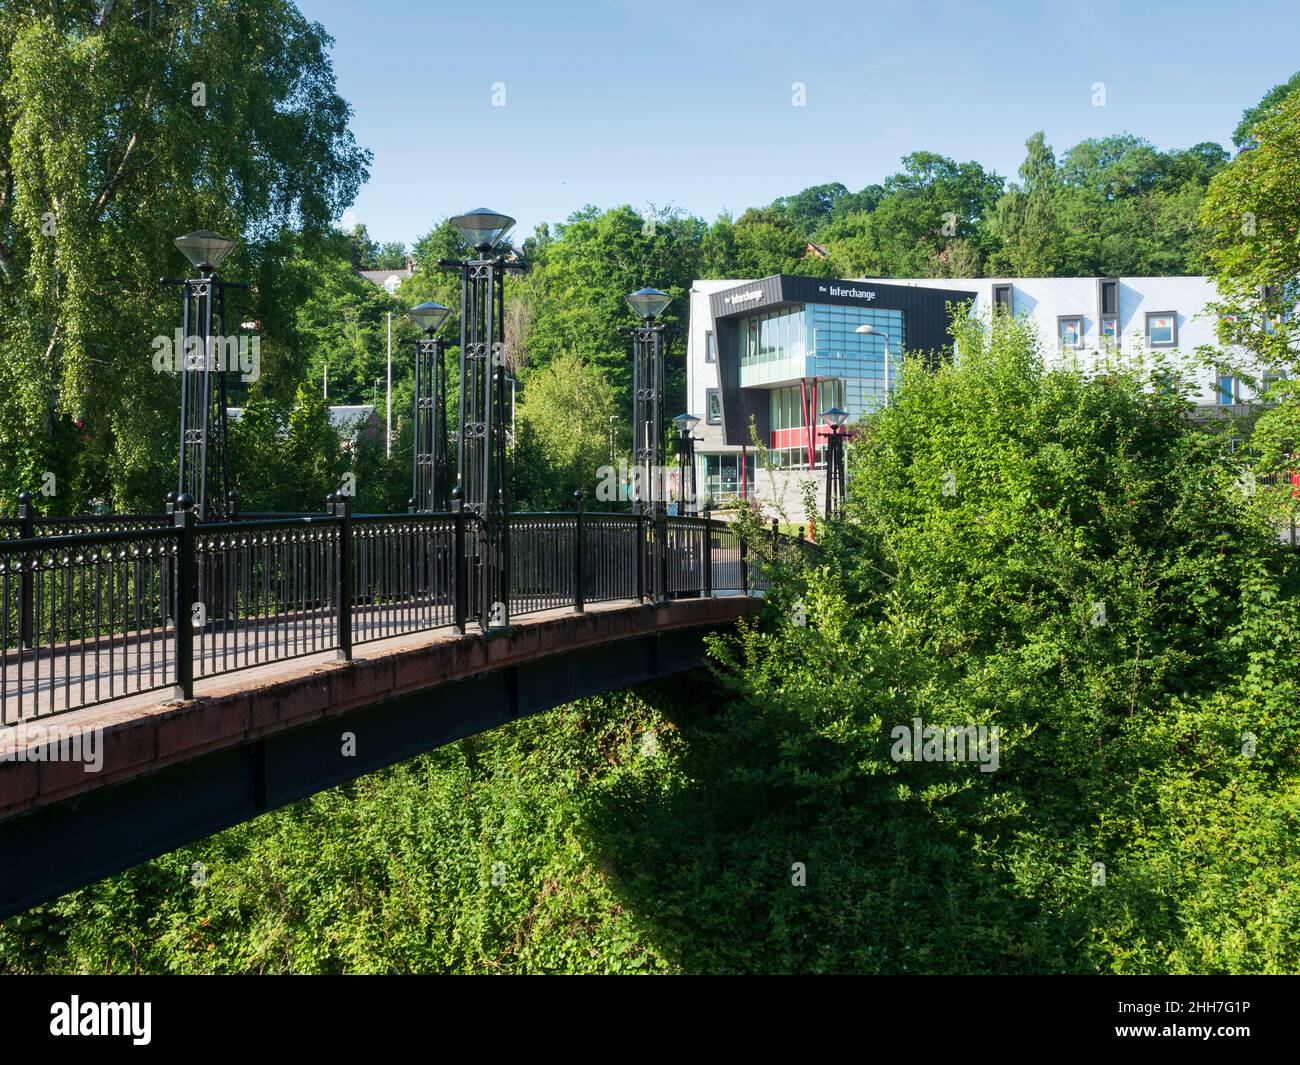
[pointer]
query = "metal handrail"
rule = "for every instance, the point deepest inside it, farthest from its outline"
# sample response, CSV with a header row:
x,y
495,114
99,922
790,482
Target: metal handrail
x,y
86,617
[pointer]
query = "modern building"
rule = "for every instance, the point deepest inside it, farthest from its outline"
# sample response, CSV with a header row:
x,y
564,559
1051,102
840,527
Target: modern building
x,y
766,358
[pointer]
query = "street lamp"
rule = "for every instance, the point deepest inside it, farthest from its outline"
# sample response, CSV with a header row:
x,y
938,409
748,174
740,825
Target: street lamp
x,y
686,424
834,419
429,489
871,330
647,432
204,358
482,432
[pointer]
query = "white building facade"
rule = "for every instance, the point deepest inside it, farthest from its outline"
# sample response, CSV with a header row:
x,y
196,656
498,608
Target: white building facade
x,y
766,358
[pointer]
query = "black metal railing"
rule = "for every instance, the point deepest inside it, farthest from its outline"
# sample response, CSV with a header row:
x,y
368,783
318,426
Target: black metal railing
x,y
542,551
263,592
85,619
91,616
402,574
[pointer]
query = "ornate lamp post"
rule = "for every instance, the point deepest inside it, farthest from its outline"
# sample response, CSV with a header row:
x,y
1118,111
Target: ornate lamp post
x,y
204,458
835,433
647,431
648,496
429,488
686,424
481,442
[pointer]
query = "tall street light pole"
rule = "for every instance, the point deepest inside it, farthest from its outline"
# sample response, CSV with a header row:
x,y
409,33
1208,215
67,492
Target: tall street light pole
x,y
481,444
205,355
647,428
871,330
388,415
429,489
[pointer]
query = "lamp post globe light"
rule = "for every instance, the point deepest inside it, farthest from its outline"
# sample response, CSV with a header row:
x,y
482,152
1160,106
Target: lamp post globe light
x,y
430,489
871,330
204,471
834,419
647,429
482,432
686,424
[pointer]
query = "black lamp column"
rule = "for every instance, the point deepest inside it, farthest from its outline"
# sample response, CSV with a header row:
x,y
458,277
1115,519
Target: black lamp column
x,y
481,445
204,458
430,490
835,433
686,423
647,427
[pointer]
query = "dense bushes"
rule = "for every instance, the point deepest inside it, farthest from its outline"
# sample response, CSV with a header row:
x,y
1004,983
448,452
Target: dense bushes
x,y
1064,556
1067,557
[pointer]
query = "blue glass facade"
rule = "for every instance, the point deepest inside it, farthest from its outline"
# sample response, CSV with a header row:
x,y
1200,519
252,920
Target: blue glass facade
x,y
858,359
820,340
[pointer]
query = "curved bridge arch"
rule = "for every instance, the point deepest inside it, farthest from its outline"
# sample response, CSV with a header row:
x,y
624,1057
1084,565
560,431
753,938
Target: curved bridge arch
x,y
172,773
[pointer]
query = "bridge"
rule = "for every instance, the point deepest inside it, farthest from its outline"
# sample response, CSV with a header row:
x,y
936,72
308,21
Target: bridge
x,y
163,679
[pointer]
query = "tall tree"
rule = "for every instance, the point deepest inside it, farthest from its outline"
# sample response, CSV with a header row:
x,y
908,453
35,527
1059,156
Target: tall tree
x,y
1026,219
123,125
1250,214
1242,136
927,221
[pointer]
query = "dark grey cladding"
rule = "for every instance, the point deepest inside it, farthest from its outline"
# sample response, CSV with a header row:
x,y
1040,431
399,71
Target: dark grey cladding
x,y
925,315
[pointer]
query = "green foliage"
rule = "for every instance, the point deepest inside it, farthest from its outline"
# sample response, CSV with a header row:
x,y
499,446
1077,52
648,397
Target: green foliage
x,y
1249,214
994,509
1116,206
104,159
565,421
595,260
1243,135
929,217
343,324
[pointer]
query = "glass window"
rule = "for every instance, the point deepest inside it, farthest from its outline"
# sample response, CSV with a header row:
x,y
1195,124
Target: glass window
x,y
1071,332
710,347
1110,332
1110,297
1162,329
713,399
1226,390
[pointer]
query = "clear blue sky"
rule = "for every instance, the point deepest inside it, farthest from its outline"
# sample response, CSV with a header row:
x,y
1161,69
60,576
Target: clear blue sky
x,y
689,104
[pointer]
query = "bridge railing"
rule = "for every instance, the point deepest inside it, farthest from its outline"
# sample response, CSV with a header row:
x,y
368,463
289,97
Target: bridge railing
x,y
85,619
262,591
542,552
403,573
36,525
609,552
99,615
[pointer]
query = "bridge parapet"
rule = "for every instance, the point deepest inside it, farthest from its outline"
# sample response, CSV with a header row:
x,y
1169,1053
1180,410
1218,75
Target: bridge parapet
x,y
135,607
